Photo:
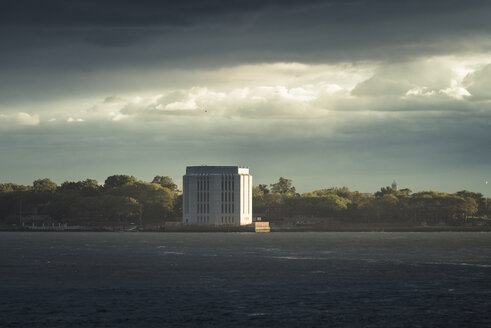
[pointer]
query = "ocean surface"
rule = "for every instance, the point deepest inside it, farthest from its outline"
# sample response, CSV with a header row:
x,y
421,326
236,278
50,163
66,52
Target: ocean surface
x,y
329,279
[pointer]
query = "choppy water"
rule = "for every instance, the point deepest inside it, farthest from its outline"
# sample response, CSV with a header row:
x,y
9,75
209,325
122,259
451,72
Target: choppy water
x,y
245,279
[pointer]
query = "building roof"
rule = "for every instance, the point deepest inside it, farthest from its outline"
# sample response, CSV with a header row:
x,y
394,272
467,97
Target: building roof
x,y
204,169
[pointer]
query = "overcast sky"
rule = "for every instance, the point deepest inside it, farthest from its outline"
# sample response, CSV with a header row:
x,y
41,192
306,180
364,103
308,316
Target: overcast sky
x,y
327,93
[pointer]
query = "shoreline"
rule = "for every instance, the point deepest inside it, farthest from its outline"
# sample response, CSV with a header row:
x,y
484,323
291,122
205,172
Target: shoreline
x,y
273,229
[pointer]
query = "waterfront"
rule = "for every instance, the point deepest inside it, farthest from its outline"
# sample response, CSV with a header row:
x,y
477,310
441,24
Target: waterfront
x,y
245,279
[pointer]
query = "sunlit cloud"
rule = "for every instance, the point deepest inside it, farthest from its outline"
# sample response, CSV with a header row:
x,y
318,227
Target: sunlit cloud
x,y
20,118
71,120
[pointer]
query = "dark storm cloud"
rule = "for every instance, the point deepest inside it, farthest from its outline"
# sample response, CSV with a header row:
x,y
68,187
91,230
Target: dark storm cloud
x,y
264,30
54,47
89,13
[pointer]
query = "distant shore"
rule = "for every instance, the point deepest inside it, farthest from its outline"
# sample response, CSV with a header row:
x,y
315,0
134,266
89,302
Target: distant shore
x,y
393,229
274,228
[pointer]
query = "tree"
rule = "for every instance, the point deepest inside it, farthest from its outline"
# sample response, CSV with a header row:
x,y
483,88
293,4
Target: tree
x,y
120,209
118,180
386,207
283,186
89,184
165,182
385,191
177,210
86,187
157,201
256,192
477,196
405,191
341,192
264,189
10,187
312,204
270,204
44,185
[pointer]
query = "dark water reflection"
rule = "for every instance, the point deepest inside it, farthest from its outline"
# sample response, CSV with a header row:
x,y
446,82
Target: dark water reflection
x,y
245,279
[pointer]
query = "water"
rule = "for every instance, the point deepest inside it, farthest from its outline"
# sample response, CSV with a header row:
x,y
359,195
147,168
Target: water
x,y
245,279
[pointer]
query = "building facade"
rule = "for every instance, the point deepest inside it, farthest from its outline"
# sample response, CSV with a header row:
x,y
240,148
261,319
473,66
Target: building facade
x,y
217,195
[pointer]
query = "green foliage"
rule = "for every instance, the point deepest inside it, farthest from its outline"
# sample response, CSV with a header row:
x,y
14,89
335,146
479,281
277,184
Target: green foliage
x,y
263,188
328,205
257,192
385,191
387,205
157,201
389,191
44,185
405,191
118,180
122,209
165,182
283,186
124,199
177,209
11,187
86,187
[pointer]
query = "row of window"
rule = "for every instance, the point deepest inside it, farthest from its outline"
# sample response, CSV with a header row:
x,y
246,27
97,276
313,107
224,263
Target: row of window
x,y
203,208
228,208
203,183
228,196
228,182
206,219
203,196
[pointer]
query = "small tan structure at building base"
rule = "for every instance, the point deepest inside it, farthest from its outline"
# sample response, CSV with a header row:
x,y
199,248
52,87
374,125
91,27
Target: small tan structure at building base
x,y
261,226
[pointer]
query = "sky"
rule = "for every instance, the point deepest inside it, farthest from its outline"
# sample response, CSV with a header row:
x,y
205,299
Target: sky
x,y
326,93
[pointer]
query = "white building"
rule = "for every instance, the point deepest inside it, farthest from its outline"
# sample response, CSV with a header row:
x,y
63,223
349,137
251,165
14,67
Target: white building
x,y
217,195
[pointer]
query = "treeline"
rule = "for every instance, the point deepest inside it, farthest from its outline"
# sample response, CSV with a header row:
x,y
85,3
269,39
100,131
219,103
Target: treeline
x,y
280,201
122,199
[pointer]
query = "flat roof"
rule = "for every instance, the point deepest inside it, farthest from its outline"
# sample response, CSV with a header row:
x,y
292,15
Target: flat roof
x,y
215,169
